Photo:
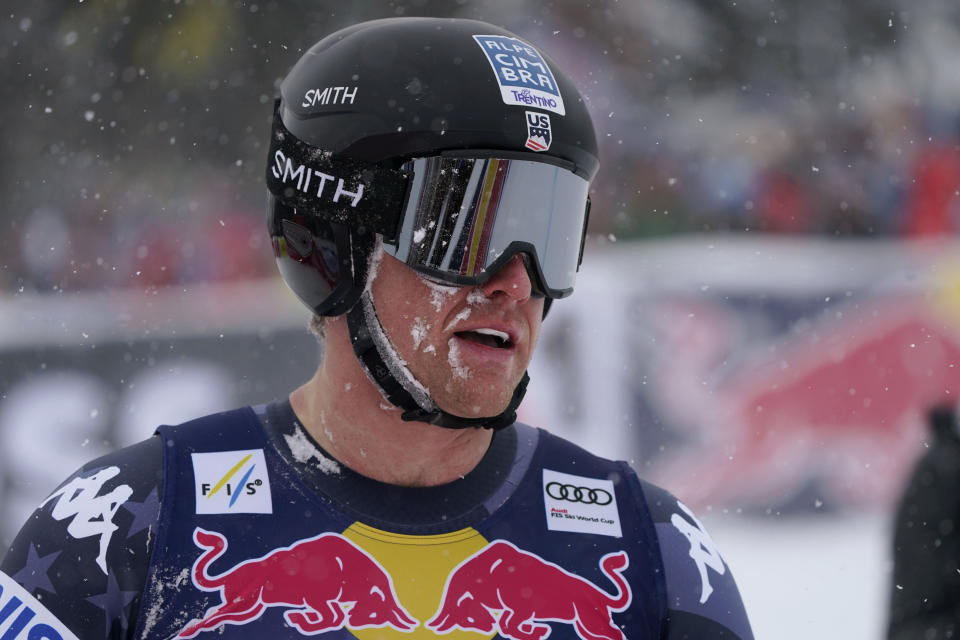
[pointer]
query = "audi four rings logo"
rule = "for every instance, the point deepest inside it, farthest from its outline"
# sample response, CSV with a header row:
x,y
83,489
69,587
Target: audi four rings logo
x,y
573,493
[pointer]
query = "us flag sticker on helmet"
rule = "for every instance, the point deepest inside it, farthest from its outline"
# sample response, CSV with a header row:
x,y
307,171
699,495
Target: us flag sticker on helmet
x,y
523,75
538,131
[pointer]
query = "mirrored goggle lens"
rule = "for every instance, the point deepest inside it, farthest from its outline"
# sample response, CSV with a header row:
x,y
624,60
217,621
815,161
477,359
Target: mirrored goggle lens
x,y
466,216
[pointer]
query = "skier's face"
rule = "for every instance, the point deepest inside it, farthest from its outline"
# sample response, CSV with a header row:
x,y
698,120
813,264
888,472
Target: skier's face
x,y
469,346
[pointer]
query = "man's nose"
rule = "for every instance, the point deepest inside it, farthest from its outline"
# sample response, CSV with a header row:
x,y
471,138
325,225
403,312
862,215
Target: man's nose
x,y
511,280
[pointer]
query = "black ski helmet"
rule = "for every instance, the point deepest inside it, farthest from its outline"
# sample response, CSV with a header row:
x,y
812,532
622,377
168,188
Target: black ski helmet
x,y
366,101
372,96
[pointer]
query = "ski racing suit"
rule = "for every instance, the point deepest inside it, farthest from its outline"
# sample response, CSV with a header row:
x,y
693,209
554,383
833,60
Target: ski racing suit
x,y
238,525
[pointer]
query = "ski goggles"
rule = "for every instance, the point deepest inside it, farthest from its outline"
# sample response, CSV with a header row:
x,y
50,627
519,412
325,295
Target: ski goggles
x,y
466,217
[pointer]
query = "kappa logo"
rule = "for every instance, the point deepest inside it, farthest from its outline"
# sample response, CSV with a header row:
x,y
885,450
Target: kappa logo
x,y
232,482
703,550
538,131
90,513
522,73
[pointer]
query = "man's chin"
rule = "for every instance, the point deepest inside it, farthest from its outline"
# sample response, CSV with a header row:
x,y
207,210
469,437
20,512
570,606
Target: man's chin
x,y
480,395
484,408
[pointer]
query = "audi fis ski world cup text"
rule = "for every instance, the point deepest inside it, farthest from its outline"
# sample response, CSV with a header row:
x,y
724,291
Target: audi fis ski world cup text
x,y
580,504
583,495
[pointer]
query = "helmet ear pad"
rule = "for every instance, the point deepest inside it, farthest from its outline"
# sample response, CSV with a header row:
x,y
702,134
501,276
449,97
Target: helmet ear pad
x,y
324,262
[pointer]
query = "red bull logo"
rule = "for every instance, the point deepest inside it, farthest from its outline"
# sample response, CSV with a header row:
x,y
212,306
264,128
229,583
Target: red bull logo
x,y
323,583
528,592
327,583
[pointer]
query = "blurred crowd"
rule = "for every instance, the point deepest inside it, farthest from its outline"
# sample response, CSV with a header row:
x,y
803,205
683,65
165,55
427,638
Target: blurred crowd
x,y
83,247
135,132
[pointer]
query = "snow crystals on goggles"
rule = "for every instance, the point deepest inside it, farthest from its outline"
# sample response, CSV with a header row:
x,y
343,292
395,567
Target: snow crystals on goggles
x,y
465,217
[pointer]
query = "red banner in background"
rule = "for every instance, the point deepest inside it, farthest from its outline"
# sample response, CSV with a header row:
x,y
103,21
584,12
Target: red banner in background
x,y
830,414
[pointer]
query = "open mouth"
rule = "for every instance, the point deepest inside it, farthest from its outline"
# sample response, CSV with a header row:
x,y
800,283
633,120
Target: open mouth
x,y
486,337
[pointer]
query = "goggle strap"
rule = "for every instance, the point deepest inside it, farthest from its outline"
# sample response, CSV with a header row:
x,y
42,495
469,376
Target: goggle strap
x,y
583,234
360,317
332,186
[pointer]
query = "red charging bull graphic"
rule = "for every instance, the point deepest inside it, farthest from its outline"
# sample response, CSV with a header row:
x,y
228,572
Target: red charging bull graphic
x,y
324,583
529,591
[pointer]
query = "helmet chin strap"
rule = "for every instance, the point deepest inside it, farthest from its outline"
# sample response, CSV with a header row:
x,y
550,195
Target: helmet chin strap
x,y
387,370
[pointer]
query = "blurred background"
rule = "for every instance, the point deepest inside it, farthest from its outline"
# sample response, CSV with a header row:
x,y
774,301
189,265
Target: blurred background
x,y
768,309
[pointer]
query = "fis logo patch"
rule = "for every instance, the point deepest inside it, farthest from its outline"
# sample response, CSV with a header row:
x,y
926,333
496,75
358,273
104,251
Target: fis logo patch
x,y
538,131
231,482
522,73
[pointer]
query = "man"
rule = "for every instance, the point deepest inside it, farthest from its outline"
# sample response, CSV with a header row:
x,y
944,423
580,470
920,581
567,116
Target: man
x,y
925,593
429,192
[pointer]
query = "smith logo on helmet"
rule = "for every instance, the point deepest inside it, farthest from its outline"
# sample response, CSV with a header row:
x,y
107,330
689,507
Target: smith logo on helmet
x,y
285,170
522,73
329,95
